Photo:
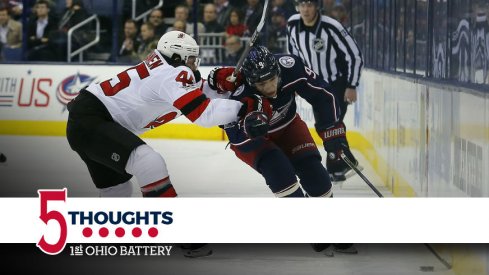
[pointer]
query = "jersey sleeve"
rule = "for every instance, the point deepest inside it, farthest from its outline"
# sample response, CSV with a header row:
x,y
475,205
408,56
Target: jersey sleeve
x,y
350,49
319,94
292,23
186,95
210,93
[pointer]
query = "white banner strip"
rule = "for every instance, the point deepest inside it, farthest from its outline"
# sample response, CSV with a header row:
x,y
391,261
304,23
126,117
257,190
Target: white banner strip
x,y
247,220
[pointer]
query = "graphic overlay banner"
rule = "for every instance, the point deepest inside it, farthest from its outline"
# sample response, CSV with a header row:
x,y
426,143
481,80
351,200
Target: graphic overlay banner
x,y
54,220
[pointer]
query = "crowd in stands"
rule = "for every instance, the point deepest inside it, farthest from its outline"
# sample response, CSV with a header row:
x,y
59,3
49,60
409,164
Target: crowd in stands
x,y
231,21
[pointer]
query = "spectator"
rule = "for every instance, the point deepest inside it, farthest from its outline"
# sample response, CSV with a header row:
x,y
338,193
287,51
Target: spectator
x,y
182,13
253,14
234,49
210,19
223,9
156,18
10,30
74,14
236,26
148,40
38,31
278,29
286,6
15,8
127,51
339,13
179,25
328,6
211,54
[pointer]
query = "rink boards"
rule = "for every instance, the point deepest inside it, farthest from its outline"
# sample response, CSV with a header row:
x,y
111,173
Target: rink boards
x,y
423,140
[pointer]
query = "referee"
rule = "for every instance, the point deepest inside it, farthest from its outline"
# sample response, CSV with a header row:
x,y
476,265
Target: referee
x,y
326,47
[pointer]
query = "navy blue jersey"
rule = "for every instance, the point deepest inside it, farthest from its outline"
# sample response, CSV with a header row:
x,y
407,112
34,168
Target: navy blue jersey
x,y
296,79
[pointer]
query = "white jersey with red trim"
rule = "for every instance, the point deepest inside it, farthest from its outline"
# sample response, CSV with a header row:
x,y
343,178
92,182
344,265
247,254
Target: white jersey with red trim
x,y
153,93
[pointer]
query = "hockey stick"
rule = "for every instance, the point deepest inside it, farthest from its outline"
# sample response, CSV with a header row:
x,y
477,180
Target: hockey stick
x,y
352,166
443,261
252,41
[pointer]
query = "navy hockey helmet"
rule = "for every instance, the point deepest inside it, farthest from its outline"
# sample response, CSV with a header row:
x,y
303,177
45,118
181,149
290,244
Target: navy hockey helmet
x,y
259,65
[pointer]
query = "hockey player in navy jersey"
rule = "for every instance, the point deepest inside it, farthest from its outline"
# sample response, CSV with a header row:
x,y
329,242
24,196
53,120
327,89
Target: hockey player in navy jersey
x,y
289,149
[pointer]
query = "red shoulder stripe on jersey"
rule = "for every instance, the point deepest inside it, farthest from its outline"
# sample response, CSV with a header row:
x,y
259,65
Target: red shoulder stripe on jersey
x,y
195,114
187,98
193,104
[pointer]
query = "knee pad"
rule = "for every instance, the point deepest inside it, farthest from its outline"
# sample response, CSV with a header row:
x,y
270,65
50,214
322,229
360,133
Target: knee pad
x,y
313,177
117,191
279,174
150,170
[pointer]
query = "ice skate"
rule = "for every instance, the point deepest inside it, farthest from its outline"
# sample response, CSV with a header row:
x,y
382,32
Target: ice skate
x,y
345,248
339,171
197,251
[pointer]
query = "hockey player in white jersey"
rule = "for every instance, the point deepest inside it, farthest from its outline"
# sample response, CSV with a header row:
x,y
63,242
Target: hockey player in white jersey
x,y
106,117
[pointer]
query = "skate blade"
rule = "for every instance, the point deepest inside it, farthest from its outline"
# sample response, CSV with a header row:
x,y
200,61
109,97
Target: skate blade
x,y
352,250
198,254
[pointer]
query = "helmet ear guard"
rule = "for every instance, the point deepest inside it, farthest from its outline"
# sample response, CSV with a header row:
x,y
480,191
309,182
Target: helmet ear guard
x,y
178,47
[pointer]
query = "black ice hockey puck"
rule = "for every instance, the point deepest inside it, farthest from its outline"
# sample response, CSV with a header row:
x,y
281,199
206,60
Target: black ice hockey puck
x,y
427,268
3,158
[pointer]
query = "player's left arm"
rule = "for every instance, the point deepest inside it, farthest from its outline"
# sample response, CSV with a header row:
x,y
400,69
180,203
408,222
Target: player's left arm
x,y
326,111
318,93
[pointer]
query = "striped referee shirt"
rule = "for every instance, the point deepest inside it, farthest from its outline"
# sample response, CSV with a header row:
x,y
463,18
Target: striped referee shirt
x,y
327,48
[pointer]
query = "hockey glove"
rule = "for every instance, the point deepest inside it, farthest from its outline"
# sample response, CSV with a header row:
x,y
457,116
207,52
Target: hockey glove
x,y
256,113
218,80
255,124
335,143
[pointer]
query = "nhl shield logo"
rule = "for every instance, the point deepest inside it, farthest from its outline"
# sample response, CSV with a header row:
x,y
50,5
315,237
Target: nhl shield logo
x,y
318,45
115,157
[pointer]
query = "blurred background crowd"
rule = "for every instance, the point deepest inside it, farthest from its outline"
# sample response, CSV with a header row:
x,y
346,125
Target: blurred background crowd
x,y
445,39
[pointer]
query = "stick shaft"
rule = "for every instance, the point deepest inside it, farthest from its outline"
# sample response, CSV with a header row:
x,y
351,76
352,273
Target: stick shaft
x,y
352,166
251,43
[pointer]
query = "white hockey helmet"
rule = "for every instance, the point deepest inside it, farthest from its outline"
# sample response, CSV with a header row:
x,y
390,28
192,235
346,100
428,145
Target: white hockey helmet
x,y
179,43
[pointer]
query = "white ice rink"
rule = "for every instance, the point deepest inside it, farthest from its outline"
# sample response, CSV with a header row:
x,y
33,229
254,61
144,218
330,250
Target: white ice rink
x,y
197,169
206,169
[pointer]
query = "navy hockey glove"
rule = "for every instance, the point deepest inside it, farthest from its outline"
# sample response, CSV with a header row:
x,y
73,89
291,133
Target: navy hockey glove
x,y
218,80
256,113
335,143
255,124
